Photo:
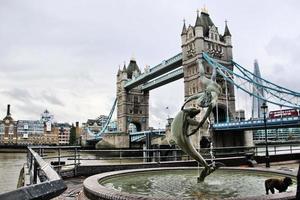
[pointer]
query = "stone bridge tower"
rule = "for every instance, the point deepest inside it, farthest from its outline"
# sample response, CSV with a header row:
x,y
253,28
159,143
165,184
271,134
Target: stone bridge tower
x,y
133,105
204,36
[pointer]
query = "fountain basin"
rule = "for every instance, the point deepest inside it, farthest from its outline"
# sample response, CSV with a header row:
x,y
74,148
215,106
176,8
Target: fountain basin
x,y
181,183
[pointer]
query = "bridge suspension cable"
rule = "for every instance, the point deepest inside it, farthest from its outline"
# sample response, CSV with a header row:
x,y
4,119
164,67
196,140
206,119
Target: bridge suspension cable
x,y
244,80
104,128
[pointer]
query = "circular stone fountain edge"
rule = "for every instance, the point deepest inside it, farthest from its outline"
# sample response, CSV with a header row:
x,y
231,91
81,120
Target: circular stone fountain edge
x,y
94,190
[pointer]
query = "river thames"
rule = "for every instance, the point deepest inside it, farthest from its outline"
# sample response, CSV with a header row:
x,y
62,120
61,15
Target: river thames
x,y
10,166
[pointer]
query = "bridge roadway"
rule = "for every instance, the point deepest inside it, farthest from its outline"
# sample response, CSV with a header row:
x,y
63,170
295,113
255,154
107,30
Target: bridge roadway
x,y
160,69
138,136
256,124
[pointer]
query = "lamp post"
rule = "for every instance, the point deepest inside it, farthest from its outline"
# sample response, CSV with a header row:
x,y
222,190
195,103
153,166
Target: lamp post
x,y
265,107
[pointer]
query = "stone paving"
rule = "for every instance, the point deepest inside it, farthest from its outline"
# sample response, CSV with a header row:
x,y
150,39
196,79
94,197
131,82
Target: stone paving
x,y
74,188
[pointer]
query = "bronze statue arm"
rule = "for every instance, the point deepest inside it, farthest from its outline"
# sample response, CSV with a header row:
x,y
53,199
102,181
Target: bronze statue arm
x,y
207,113
196,96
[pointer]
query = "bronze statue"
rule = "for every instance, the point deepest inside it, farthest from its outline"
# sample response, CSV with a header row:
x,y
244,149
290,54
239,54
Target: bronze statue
x,y
183,121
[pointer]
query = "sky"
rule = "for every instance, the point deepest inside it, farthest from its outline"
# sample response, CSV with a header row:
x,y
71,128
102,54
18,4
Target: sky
x,y
63,55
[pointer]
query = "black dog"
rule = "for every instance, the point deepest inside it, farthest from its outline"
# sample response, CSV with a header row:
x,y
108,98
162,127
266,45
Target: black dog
x,y
279,184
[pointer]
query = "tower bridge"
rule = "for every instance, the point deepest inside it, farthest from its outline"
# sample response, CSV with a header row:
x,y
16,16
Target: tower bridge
x,y
202,44
133,86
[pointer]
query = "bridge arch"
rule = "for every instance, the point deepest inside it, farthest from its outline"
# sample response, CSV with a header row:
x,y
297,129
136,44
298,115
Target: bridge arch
x,y
134,126
220,113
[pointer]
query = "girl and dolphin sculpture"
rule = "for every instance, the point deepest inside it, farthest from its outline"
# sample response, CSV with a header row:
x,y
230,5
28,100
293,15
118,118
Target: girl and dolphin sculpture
x,y
181,127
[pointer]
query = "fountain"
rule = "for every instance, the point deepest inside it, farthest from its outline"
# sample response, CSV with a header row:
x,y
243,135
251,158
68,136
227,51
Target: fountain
x,y
181,183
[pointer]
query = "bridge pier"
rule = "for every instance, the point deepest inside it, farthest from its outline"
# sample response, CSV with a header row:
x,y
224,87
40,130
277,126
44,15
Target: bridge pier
x,y
233,138
113,140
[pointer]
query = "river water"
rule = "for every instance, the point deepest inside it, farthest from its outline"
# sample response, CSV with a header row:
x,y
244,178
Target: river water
x,y
10,166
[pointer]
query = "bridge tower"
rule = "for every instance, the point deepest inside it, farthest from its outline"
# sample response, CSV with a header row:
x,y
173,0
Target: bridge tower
x,y
204,36
133,104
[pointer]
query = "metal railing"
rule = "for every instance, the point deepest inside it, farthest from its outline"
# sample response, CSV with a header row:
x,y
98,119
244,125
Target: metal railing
x,y
277,149
69,158
258,123
125,156
45,183
61,157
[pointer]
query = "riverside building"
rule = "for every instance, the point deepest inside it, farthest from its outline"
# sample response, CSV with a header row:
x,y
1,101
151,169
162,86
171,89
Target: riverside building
x,y
33,132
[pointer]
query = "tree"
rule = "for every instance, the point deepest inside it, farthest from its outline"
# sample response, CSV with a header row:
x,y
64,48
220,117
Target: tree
x,y
72,140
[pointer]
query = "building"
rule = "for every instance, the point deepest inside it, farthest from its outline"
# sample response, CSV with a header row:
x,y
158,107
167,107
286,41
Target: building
x,y
93,125
277,135
8,127
112,126
96,125
28,132
102,119
257,112
63,130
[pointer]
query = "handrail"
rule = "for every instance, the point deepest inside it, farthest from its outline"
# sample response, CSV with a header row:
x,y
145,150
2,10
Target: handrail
x,y
52,187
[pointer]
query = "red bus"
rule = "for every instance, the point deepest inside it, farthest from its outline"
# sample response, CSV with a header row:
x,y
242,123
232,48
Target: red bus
x,y
283,113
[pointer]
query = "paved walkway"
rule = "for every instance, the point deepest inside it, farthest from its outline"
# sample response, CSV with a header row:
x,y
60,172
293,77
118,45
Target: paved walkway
x,y
74,188
75,184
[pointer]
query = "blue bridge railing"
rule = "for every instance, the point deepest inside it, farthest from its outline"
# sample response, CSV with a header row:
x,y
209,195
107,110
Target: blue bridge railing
x,y
256,124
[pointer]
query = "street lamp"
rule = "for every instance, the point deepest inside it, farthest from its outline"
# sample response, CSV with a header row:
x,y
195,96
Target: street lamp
x,y
265,107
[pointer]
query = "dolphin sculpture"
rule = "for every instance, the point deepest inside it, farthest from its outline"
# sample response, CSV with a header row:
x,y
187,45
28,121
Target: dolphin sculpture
x,y
181,127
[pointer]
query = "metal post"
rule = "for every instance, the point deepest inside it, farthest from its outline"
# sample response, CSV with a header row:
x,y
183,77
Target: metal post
x,y
120,156
227,105
78,155
217,112
59,161
175,154
35,166
158,155
264,107
75,161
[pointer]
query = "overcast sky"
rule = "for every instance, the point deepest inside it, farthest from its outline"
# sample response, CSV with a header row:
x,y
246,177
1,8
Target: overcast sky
x,y
63,55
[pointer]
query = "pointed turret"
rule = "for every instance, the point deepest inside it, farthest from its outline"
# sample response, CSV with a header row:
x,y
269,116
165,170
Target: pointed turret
x,y
226,32
198,20
198,26
124,67
205,21
183,32
119,71
132,67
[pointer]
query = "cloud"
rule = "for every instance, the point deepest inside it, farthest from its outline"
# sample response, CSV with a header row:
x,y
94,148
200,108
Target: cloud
x,y
18,94
51,98
284,68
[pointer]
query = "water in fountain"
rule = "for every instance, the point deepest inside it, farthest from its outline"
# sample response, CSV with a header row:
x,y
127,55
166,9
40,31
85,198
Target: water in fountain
x,y
183,184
